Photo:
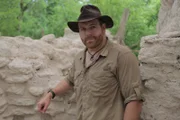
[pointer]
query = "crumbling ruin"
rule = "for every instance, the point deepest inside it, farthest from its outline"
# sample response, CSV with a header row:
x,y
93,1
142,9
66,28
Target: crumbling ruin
x,y
28,68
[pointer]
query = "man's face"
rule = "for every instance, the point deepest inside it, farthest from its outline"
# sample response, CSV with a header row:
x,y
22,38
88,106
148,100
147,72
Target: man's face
x,y
92,33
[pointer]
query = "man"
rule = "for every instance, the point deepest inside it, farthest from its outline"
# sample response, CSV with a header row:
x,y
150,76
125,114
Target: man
x,y
105,76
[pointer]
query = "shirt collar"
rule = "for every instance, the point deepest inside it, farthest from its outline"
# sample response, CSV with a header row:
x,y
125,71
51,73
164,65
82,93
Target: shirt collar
x,y
104,52
106,48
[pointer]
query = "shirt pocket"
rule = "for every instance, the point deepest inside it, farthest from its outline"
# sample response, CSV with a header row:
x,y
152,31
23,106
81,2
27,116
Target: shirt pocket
x,y
102,82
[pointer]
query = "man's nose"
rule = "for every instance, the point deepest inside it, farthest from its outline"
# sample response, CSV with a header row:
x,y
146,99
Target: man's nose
x,y
88,32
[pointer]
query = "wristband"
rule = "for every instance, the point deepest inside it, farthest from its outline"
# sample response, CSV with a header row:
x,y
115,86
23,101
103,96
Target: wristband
x,y
52,92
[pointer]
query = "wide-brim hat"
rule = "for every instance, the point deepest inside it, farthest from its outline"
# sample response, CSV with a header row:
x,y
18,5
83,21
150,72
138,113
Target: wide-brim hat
x,y
88,13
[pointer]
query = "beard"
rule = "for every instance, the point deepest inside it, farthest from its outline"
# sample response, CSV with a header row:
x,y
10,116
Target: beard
x,y
93,41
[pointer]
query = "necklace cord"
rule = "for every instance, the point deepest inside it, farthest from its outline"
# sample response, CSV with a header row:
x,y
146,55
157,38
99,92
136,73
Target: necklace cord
x,y
92,55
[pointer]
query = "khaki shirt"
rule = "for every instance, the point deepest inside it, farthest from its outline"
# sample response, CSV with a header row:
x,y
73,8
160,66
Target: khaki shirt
x,y
105,87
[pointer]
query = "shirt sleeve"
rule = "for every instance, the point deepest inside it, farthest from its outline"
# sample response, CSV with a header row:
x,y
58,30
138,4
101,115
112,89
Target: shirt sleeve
x,y
70,77
129,77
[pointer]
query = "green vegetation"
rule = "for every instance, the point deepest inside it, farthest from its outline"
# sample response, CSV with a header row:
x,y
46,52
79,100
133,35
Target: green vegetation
x,y
35,18
9,22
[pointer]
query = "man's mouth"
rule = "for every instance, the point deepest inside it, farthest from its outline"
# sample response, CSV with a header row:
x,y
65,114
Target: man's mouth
x,y
89,40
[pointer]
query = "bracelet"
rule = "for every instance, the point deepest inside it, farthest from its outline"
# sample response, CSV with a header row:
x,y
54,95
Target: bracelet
x,y
52,92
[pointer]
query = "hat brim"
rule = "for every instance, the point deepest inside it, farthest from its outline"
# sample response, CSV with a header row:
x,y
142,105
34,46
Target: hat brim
x,y
105,19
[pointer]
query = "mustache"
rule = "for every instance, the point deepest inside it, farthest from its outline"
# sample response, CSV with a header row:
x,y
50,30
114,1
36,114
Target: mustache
x,y
87,38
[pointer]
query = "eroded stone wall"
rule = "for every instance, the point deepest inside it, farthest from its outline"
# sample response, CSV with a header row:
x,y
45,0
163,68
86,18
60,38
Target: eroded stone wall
x,y
160,65
160,72
169,19
28,68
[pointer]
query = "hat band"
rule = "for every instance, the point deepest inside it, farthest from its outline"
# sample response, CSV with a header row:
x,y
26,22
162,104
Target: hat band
x,y
88,16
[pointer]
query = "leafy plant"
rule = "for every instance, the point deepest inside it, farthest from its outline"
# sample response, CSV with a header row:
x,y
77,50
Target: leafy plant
x,y
35,18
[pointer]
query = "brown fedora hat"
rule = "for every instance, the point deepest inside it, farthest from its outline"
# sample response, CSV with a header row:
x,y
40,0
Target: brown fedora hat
x,y
90,12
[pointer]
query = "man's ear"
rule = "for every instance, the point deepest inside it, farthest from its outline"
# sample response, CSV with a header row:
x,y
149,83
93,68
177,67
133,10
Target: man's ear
x,y
104,26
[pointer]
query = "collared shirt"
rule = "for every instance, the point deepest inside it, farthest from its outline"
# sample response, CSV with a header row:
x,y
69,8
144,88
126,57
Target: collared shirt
x,y
104,87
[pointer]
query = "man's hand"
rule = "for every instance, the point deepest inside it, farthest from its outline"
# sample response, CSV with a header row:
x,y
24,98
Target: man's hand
x,y
60,88
44,103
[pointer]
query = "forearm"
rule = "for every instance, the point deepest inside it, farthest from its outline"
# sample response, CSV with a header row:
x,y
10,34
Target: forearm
x,y
61,87
133,110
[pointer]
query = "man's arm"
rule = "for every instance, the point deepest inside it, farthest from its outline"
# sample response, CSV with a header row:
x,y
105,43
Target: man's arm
x,y
60,88
130,85
133,110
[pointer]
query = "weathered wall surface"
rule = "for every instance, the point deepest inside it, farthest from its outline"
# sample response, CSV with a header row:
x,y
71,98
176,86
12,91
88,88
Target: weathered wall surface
x,y
160,71
160,65
169,19
30,67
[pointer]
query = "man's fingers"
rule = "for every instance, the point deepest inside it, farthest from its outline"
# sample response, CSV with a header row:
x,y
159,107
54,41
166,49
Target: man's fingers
x,y
40,107
45,108
43,104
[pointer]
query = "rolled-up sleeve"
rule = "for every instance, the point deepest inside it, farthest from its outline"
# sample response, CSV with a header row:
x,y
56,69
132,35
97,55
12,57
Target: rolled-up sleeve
x,y
129,77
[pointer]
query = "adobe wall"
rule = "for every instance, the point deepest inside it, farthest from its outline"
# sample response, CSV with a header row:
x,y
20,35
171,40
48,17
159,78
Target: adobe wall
x,y
160,72
28,68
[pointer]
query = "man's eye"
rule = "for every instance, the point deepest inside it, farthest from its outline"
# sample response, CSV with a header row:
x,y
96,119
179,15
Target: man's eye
x,y
92,27
81,29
